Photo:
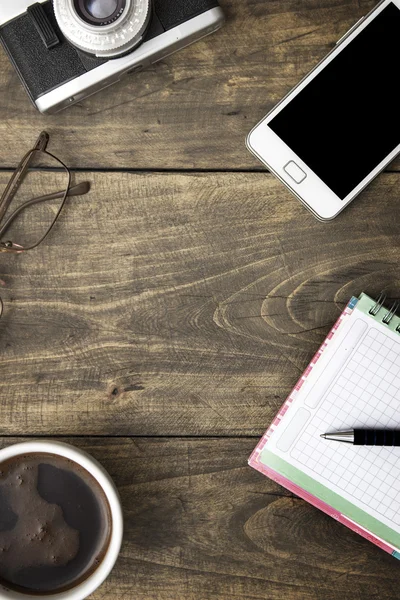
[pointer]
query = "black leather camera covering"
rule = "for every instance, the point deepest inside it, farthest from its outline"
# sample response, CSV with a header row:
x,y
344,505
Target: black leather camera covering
x,y
42,70
175,12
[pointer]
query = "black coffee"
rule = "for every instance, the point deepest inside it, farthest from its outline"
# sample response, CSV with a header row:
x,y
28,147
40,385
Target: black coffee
x,y
55,524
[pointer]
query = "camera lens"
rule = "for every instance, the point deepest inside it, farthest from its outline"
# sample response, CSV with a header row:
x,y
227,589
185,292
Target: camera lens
x,y
104,28
101,9
100,12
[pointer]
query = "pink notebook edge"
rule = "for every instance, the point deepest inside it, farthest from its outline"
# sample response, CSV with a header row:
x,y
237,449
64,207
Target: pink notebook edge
x,y
289,485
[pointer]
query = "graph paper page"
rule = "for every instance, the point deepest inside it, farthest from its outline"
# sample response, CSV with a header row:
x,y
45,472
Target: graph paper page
x,y
357,386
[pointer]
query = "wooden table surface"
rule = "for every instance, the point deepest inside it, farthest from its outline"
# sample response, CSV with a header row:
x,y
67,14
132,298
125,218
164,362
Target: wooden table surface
x,y
168,315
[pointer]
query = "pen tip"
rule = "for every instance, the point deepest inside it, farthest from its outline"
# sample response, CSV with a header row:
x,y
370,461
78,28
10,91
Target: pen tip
x,y
323,435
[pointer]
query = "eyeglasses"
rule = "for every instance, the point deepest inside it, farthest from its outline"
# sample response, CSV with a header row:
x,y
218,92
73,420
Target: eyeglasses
x,y
27,215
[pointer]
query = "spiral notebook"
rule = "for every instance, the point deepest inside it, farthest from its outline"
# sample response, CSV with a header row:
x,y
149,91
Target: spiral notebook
x,y
353,381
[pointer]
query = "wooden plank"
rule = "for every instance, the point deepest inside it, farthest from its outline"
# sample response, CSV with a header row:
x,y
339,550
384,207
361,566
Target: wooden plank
x,y
201,524
194,109
181,304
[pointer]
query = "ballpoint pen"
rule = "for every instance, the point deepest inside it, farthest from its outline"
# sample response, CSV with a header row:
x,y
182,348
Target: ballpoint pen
x,y
366,437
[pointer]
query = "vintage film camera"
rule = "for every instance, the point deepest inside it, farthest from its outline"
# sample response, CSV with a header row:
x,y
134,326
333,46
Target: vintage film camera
x,y
66,50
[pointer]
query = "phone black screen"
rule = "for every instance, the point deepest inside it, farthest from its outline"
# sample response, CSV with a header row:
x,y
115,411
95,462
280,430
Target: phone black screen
x,y
346,120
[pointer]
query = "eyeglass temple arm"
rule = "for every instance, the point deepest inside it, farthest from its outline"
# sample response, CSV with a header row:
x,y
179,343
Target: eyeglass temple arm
x,y
16,179
13,186
1,301
77,190
42,141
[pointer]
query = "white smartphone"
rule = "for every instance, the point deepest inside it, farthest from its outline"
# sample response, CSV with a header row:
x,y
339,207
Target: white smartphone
x,y
334,132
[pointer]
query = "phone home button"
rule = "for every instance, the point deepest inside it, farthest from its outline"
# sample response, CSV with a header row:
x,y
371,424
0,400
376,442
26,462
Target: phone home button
x,y
294,171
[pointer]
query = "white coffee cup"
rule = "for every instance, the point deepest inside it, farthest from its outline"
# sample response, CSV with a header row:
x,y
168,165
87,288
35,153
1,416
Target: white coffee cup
x,y
94,581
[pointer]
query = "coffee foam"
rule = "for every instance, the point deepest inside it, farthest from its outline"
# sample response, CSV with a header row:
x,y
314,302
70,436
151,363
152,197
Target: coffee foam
x,y
40,537
55,524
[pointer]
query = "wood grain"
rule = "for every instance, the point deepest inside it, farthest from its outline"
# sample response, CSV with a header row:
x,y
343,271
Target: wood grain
x,y
194,109
180,300
200,524
181,304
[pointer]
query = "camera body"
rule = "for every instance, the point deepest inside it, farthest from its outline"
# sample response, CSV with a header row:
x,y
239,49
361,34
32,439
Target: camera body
x,y
57,73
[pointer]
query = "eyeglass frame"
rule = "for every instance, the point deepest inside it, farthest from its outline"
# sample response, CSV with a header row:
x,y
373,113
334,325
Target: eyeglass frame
x,y
12,188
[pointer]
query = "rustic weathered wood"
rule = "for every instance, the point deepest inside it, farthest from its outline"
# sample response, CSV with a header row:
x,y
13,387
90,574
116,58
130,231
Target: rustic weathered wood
x,y
181,304
193,110
200,524
187,304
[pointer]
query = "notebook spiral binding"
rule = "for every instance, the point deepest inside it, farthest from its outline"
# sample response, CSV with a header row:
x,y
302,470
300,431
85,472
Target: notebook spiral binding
x,y
390,313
